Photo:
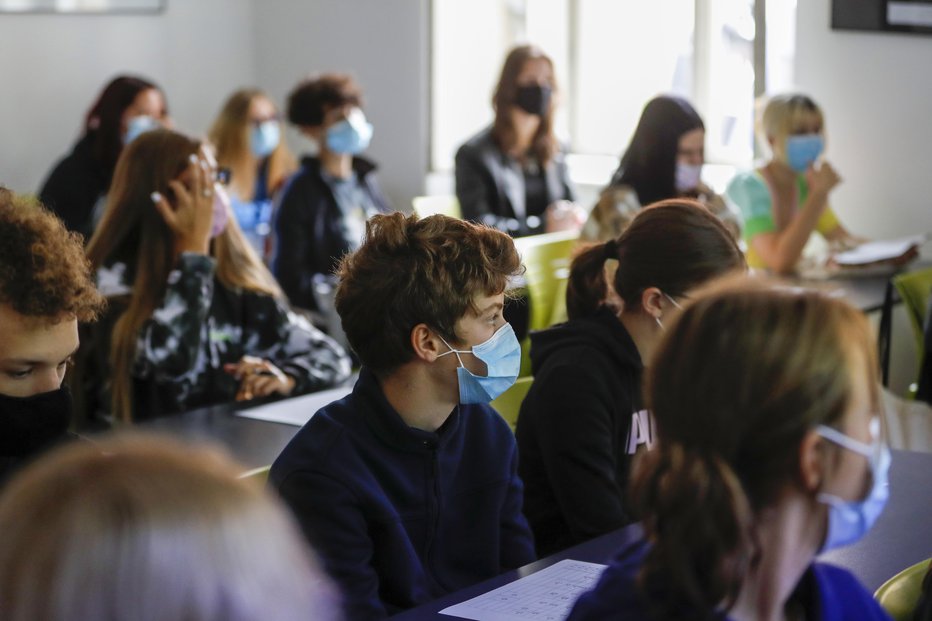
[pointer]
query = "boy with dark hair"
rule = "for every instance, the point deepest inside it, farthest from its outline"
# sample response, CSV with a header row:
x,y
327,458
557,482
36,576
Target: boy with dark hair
x,y
408,486
323,210
45,289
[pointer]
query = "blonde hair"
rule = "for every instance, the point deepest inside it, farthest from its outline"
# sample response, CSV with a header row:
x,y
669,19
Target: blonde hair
x,y
132,230
149,529
779,116
230,136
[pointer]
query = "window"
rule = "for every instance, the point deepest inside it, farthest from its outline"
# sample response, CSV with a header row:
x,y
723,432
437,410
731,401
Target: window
x,y
611,57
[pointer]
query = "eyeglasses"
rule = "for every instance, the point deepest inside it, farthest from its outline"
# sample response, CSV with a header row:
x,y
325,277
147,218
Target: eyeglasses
x,y
223,176
258,122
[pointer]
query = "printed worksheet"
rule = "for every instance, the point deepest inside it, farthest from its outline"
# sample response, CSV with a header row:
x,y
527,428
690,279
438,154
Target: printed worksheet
x,y
547,595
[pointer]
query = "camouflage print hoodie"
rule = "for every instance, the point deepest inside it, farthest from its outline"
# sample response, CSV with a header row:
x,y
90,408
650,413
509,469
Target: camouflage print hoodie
x,y
202,325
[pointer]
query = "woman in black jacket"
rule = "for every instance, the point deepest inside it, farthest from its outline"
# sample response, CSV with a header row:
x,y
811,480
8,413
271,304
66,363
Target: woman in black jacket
x,y
583,419
512,175
78,184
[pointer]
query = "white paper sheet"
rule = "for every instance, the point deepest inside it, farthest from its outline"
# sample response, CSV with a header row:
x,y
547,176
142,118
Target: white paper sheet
x,y
880,250
298,410
547,595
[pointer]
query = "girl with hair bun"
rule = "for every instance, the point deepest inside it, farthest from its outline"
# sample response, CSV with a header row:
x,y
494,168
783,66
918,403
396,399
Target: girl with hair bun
x,y
769,451
583,421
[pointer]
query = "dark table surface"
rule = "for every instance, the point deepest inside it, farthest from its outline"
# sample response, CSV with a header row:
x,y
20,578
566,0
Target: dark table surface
x,y
901,537
252,442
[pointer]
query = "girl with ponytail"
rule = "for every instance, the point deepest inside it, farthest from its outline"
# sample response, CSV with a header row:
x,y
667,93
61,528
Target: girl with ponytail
x,y
583,421
766,403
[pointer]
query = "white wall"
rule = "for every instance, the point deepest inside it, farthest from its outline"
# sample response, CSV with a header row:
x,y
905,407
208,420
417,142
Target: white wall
x,y
384,44
53,66
877,97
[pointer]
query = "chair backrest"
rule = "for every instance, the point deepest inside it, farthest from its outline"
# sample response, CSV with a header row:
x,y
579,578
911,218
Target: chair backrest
x,y
546,260
900,594
914,289
259,476
444,204
508,404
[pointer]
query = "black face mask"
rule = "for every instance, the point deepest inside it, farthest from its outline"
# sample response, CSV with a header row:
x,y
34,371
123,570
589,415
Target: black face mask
x,y
534,99
28,424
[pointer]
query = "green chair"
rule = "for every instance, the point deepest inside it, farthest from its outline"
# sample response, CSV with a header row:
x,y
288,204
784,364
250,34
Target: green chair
x,y
546,260
900,594
446,205
914,289
259,476
508,404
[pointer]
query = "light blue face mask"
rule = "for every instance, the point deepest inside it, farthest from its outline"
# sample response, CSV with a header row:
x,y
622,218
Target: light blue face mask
x,y
850,520
802,150
139,125
351,136
502,357
264,138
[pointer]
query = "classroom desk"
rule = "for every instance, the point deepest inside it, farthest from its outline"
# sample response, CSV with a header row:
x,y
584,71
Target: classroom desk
x,y
252,442
901,537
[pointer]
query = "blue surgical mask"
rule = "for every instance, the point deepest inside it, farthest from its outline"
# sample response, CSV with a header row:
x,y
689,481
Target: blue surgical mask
x,y
139,125
502,357
850,520
264,138
802,150
351,136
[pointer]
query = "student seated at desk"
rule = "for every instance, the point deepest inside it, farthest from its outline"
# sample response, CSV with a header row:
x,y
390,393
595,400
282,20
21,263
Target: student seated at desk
x,y
664,160
408,487
45,289
138,528
195,316
786,199
324,207
513,175
769,452
248,137
583,420
76,187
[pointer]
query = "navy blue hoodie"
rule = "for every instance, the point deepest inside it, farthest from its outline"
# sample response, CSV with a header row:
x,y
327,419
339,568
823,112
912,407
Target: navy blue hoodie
x,y
580,424
401,516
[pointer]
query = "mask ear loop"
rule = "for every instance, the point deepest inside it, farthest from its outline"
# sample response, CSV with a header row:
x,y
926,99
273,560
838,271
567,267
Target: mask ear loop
x,y
452,351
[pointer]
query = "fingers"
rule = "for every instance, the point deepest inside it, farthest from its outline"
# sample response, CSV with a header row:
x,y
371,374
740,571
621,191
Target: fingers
x,y
264,383
165,210
181,192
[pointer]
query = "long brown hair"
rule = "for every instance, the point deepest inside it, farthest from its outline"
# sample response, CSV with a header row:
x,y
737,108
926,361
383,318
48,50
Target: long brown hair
x,y
139,528
544,144
674,245
131,230
762,365
230,136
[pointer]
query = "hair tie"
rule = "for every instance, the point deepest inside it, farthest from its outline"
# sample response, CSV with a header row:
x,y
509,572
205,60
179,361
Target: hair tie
x,y
610,251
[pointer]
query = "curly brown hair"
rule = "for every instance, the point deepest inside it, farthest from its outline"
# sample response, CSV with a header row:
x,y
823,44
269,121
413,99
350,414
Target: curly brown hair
x,y
411,271
43,269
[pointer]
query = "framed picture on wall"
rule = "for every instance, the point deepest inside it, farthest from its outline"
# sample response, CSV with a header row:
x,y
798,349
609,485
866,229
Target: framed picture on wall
x,y
912,16
82,6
